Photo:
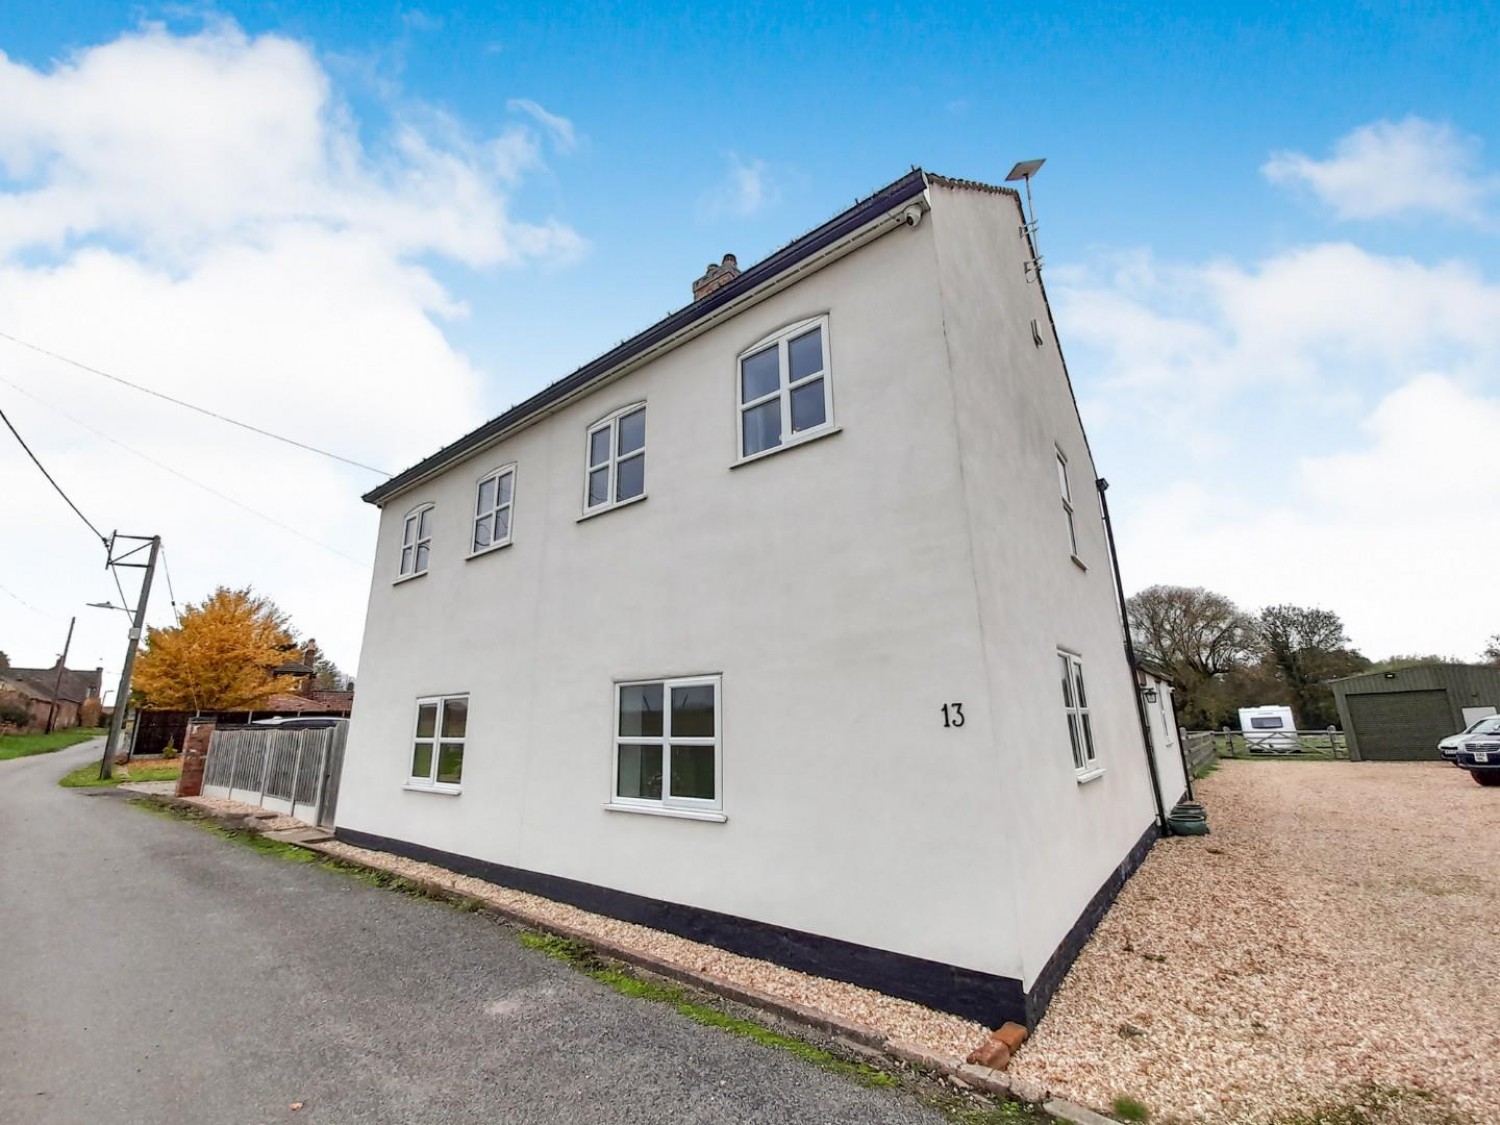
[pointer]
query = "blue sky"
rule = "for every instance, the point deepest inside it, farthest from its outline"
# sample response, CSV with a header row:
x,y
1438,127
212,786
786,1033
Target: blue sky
x,y
1270,232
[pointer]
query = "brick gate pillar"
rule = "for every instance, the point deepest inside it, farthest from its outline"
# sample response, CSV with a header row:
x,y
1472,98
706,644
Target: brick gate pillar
x,y
194,756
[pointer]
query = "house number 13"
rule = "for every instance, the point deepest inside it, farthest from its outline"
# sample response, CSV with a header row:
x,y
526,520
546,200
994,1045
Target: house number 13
x,y
953,714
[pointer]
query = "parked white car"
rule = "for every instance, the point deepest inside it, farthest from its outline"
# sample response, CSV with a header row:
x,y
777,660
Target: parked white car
x,y
1490,724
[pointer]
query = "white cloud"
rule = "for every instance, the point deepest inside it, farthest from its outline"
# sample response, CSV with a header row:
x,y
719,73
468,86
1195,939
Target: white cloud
x,y
1305,317
747,188
1395,168
560,128
1394,534
175,142
1307,428
201,214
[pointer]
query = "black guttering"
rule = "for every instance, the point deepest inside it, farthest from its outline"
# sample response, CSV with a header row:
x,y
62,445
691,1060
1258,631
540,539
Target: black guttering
x,y
903,190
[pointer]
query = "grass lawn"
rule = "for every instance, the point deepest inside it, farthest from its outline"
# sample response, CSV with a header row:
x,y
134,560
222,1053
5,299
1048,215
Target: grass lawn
x,y
25,745
88,775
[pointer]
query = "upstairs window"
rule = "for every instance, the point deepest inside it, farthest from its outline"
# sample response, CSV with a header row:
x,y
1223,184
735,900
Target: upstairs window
x,y
616,465
416,542
1076,707
1067,502
785,393
667,744
437,759
492,506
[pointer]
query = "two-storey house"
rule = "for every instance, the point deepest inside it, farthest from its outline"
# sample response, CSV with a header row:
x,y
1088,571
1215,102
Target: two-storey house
x,y
787,625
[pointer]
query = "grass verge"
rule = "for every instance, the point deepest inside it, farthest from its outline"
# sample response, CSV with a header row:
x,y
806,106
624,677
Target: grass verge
x,y
87,776
25,745
966,1111
582,958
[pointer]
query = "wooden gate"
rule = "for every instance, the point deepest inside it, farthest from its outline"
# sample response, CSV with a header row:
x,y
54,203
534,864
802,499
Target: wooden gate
x,y
290,766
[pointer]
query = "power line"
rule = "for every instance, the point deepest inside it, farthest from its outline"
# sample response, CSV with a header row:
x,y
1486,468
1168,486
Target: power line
x,y
177,473
190,406
171,593
17,597
50,481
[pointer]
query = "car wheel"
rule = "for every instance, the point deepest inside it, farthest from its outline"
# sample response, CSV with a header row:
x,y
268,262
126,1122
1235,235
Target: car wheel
x,y
1486,777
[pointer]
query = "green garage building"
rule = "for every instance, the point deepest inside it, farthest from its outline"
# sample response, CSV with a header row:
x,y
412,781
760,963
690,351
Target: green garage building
x,y
1403,715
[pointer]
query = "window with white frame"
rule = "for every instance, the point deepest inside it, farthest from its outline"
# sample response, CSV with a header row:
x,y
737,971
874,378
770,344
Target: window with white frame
x,y
437,758
1067,502
616,463
785,389
1076,705
416,541
667,746
492,505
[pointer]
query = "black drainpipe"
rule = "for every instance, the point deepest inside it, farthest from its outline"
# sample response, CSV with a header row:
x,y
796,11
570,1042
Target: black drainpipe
x,y
1140,706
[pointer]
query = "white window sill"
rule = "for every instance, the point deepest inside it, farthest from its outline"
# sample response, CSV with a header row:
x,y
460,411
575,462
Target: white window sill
x,y
1079,563
440,790
409,577
790,443
615,507
490,550
1093,773
658,810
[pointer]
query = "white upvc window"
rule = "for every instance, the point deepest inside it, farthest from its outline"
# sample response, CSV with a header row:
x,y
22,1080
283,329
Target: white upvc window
x,y
785,388
1067,501
615,460
437,758
416,541
493,500
1076,707
667,745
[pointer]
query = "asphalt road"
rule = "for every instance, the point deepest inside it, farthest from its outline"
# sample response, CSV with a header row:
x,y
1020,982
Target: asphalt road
x,y
152,972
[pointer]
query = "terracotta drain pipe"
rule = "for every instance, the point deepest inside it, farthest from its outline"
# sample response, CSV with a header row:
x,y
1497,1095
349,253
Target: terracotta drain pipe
x,y
1140,707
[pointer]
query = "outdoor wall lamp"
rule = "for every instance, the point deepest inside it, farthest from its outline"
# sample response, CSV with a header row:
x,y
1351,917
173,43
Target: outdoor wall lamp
x,y
1150,693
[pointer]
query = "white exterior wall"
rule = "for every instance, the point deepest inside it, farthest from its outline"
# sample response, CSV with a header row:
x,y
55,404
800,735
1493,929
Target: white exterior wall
x,y
1062,838
1166,741
830,584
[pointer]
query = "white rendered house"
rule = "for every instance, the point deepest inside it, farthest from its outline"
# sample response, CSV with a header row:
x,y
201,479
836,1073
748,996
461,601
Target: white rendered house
x,y
788,625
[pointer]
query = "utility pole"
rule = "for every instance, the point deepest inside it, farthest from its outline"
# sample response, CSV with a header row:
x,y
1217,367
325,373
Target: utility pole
x,y
62,664
137,623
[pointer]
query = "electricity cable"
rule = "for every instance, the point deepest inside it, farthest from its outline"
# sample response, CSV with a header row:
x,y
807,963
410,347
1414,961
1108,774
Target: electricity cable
x,y
171,593
17,597
190,406
177,473
87,522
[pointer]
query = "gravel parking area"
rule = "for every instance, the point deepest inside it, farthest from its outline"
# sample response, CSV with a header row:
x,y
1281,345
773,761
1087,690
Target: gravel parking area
x,y
1333,935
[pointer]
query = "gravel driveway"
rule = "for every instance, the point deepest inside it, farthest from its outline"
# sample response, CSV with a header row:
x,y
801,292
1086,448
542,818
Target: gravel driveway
x,y
1337,931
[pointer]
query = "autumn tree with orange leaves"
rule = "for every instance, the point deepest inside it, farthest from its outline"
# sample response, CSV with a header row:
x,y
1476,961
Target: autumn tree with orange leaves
x,y
220,657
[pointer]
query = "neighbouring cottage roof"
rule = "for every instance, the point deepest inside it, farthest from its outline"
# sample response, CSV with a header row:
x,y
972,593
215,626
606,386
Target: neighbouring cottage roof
x,y
24,687
313,701
908,187
75,688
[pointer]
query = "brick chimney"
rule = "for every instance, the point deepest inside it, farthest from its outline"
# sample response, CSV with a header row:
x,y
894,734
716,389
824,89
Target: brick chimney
x,y
716,277
309,658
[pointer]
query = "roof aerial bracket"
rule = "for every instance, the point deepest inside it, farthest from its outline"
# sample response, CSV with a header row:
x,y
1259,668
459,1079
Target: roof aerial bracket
x,y
1024,170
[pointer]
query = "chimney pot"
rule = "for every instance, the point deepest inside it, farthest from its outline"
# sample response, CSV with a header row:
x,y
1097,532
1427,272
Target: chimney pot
x,y
716,276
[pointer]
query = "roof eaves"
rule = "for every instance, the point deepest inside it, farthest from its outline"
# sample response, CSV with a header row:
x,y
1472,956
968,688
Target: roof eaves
x,y
913,184
971,185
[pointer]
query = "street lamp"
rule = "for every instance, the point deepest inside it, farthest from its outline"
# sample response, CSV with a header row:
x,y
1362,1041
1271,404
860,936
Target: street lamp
x,y
107,605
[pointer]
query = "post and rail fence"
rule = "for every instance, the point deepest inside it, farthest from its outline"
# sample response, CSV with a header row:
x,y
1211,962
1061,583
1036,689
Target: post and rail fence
x,y
1204,747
